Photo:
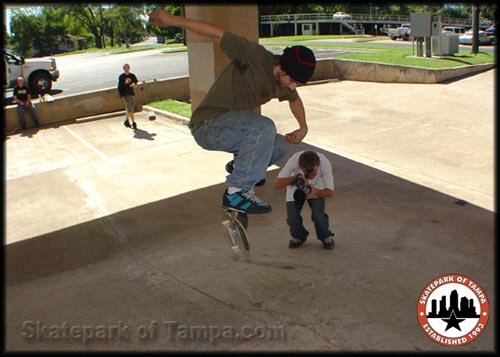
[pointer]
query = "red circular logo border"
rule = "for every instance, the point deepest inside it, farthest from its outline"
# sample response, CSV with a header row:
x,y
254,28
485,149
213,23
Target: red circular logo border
x,y
422,308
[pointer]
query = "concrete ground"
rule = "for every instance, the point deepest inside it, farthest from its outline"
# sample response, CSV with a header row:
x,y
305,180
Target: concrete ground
x,y
114,239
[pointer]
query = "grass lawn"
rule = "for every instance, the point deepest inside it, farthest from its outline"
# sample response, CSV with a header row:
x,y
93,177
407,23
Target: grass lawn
x,y
396,54
173,106
318,37
406,57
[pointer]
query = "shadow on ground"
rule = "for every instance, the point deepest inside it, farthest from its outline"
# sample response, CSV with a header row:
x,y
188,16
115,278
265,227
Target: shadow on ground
x,y
170,259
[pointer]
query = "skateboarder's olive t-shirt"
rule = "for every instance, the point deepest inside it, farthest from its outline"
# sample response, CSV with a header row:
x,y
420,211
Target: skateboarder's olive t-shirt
x,y
245,83
324,178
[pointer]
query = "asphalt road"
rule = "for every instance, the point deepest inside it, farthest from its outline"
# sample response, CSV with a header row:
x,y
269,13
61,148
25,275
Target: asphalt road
x,y
86,72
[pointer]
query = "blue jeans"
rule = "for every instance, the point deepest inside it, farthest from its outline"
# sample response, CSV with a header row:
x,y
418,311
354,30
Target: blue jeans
x,y
318,216
21,109
252,139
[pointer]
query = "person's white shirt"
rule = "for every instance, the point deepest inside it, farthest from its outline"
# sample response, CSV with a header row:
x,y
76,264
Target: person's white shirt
x,y
324,178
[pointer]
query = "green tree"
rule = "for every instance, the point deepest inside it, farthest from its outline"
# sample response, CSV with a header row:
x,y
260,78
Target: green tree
x,y
6,37
91,17
54,29
488,11
26,27
125,23
164,32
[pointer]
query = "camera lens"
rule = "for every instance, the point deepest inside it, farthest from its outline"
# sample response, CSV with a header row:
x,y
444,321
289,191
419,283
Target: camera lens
x,y
299,196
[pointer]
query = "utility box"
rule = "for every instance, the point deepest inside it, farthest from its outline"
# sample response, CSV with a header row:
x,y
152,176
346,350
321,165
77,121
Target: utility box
x,y
436,28
444,45
421,24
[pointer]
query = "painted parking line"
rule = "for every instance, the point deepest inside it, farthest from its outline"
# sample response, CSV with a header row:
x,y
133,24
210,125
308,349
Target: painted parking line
x,y
320,109
86,143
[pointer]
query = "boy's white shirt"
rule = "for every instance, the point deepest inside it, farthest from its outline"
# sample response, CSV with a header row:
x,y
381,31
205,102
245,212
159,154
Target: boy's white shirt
x,y
324,178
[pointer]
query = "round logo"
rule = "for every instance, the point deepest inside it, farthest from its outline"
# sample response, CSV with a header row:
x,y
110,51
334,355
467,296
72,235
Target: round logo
x,y
453,310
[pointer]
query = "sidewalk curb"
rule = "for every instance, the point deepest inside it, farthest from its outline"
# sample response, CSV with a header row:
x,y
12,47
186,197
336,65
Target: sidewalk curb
x,y
174,117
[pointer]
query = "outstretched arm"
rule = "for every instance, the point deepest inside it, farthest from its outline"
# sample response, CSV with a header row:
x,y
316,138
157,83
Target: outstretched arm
x,y
297,109
162,18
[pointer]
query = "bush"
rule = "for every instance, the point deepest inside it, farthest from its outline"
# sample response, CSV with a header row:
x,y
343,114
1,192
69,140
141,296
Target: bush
x,y
178,38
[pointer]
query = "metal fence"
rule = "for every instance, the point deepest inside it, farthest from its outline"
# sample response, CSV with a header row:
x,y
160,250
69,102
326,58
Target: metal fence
x,y
363,18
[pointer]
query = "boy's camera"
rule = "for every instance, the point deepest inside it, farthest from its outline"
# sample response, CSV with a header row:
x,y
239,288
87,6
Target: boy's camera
x,y
303,189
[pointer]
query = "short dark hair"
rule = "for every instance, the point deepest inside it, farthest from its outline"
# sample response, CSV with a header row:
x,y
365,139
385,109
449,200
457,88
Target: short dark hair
x,y
308,160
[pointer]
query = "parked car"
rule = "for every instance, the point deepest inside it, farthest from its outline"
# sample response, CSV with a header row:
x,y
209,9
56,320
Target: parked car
x,y
491,31
403,32
466,39
341,16
453,30
38,73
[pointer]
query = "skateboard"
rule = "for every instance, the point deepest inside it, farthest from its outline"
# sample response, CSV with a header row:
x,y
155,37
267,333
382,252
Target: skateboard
x,y
236,225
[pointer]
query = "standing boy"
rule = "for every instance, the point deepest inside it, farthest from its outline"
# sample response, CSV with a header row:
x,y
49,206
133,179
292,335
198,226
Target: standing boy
x,y
126,83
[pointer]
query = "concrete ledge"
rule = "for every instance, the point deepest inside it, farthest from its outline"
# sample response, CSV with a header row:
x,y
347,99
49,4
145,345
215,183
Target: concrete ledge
x,y
325,69
65,249
385,73
101,116
171,116
98,102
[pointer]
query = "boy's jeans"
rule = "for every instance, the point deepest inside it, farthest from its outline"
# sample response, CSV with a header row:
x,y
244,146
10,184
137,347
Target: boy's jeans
x,y
318,216
21,109
250,137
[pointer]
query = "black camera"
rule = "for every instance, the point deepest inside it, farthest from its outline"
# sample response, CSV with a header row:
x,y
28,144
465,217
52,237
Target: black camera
x,y
303,189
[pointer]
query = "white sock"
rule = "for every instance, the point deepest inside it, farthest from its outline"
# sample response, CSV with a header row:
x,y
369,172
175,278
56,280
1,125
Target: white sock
x,y
232,190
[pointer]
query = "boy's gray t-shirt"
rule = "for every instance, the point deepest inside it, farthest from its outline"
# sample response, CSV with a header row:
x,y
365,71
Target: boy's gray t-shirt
x,y
246,83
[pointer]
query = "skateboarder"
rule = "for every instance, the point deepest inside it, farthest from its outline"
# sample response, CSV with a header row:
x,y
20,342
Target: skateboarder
x,y
307,175
225,119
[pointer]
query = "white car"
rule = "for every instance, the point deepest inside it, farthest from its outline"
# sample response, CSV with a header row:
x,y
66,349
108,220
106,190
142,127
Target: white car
x,y
453,30
466,39
341,16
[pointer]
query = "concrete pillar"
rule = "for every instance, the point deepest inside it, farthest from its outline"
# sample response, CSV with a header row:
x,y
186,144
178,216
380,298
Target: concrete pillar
x,y
205,58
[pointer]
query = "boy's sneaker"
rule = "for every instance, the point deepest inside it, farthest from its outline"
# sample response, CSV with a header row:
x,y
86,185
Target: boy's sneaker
x,y
134,126
245,201
230,168
295,243
126,123
328,243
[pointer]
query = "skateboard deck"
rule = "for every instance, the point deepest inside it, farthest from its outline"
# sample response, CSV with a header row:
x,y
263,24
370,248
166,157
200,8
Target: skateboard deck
x,y
236,224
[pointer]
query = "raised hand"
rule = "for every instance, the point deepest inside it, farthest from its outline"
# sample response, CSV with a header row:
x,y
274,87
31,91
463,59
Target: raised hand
x,y
162,18
296,137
